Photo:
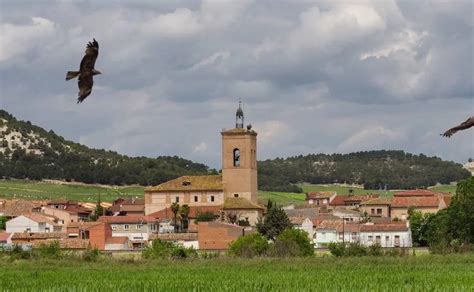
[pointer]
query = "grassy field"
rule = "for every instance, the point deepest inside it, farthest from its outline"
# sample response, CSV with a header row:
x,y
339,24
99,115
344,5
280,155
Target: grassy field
x,y
30,190
421,273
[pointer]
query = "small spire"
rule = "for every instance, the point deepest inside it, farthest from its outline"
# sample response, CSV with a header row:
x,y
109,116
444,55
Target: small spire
x,y
239,117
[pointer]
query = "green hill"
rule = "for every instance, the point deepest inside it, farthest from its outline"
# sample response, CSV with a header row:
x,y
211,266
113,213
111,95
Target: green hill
x,y
370,169
29,151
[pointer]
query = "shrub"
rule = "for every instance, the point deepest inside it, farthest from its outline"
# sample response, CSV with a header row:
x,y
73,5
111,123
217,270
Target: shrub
x,y
209,255
205,217
292,242
49,250
375,250
337,249
249,246
166,249
91,255
355,249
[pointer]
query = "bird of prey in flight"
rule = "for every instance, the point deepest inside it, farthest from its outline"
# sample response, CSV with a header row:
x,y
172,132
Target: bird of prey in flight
x,y
86,71
464,125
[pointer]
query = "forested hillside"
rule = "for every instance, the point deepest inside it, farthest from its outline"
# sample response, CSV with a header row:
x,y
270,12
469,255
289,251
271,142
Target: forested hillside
x,y
373,169
28,151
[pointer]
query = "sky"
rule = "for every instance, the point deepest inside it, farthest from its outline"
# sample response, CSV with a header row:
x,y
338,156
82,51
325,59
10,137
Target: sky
x,y
313,76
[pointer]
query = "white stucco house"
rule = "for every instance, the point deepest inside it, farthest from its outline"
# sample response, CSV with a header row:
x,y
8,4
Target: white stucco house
x,y
32,223
387,234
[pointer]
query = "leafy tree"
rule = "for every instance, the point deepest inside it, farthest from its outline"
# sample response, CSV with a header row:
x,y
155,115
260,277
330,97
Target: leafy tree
x,y
419,224
205,216
175,210
292,242
461,212
274,222
249,246
184,214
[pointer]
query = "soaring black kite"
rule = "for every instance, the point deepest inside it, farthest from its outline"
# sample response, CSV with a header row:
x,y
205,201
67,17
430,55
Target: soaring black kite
x,y
464,125
86,71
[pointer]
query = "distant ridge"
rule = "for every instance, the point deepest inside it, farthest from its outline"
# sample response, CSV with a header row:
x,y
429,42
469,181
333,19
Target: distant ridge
x,y
392,169
29,151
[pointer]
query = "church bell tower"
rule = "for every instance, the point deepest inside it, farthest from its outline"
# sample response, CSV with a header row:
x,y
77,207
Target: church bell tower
x,y
239,160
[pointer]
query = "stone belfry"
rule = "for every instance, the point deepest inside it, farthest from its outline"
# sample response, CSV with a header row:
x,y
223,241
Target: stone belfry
x,y
239,160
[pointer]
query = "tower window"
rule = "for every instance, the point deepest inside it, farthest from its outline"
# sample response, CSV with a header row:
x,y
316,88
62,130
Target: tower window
x,y
236,195
195,198
177,199
236,157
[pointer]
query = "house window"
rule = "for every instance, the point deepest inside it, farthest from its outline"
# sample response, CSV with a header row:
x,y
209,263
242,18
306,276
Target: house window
x,y
372,211
370,238
212,198
28,229
236,195
138,227
114,227
354,235
387,238
397,241
176,199
196,199
379,211
125,227
46,229
236,157
378,239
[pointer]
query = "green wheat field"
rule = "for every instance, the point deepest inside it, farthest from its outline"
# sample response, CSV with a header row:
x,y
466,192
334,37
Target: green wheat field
x,y
411,273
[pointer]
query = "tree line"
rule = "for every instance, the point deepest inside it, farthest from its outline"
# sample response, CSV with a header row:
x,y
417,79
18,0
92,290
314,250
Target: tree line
x,y
391,169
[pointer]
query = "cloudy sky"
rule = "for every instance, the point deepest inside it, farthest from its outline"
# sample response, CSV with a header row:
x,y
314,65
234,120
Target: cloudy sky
x,y
314,76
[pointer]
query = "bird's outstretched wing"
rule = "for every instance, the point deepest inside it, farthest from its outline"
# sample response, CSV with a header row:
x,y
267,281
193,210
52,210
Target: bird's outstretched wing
x,y
88,61
464,125
85,86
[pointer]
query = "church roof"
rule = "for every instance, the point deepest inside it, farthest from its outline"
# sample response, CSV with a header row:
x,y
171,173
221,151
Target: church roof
x,y
190,183
240,203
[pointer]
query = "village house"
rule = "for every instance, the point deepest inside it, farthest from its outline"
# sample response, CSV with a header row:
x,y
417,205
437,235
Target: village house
x,y
130,206
34,239
320,198
136,228
218,235
15,208
351,201
235,191
99,235
33,222
379,207
188,239
63,216
392,234
386,235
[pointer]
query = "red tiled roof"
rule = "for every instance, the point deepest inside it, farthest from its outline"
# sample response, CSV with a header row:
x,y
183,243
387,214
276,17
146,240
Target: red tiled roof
x,y
319,195
415,202
415,193
127,219
383,227
193,211
340,200
74,243
378,201
38,235
116,240
338,226
39,218
4,236
447,200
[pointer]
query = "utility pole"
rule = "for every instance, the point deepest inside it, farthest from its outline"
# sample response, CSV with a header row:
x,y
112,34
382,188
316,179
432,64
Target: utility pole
x,y
343,232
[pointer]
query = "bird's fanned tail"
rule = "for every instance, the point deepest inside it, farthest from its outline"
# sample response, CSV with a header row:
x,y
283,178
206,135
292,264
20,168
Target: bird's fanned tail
x,y
71,74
